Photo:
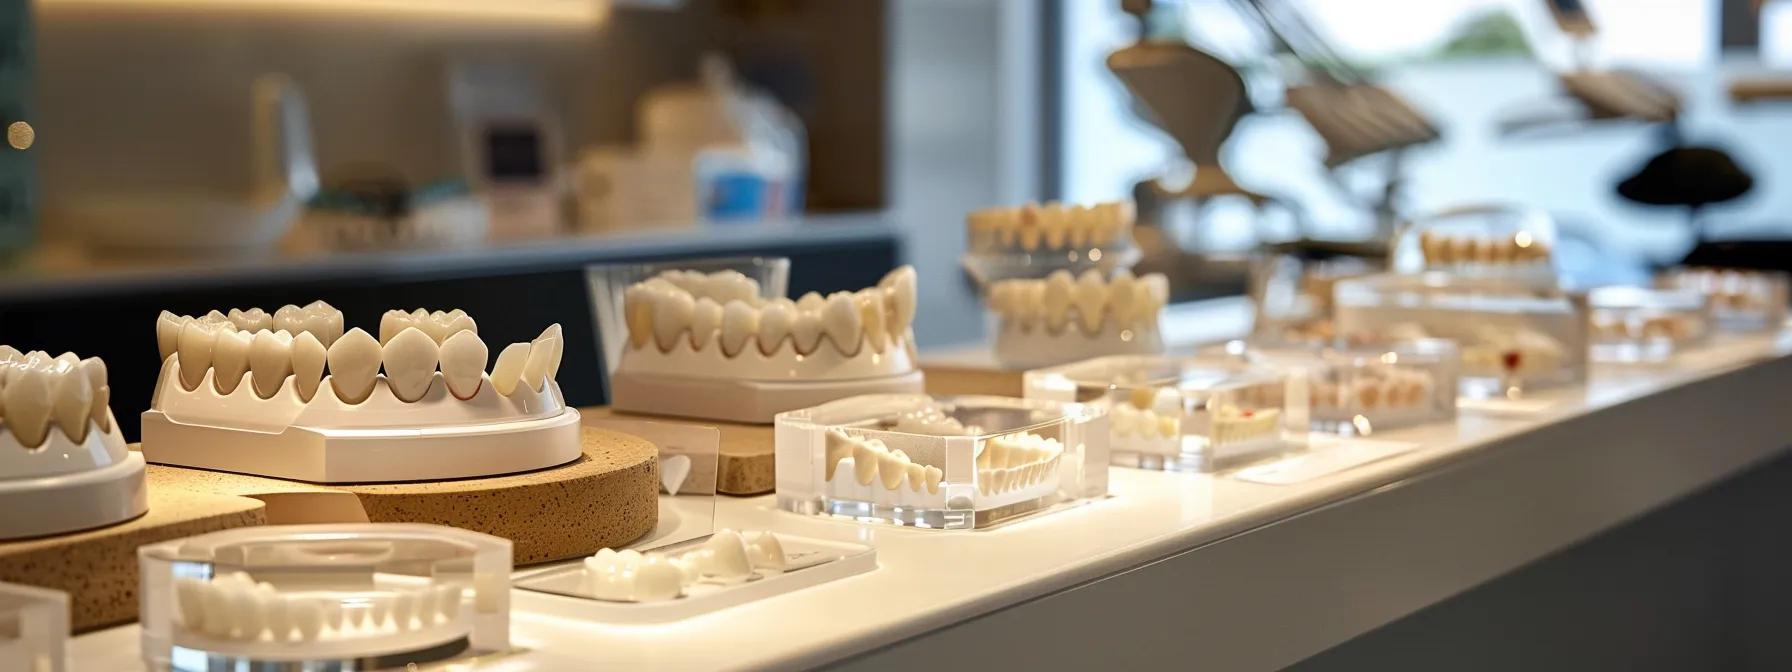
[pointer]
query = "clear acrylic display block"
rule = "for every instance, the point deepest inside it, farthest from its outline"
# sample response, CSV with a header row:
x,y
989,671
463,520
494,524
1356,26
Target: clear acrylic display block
x,y
33,629
1292,294
320,597
1358,390
1201,413
1031,241
1741,300
939,462
1512,336
1633,324
1485,242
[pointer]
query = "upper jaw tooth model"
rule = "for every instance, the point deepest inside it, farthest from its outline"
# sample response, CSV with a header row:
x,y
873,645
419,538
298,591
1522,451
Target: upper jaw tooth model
x,y
247,392
63,462
710,346
912,460
1064,319
1032,239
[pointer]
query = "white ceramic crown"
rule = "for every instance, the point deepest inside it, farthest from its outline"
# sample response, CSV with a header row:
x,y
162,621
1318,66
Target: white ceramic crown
x,y
62,456
244,397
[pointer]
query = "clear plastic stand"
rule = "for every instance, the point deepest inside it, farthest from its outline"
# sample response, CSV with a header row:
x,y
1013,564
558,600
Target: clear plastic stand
x,y
1632,325
33,629
690,457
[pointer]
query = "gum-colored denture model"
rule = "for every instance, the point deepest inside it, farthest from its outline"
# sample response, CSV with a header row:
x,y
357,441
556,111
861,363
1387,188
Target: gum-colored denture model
x,y
291,395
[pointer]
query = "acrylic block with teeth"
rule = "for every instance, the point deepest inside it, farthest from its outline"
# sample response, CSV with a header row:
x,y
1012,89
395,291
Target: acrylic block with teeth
x,y
939,462
1064,318
1032,240
1741,300
1494,243
1511,336
64,465
324,597
248,392
1358,390
1634,324
1200,413
33,629
724,346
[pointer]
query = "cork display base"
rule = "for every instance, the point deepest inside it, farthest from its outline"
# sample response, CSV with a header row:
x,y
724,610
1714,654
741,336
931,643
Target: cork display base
x,y
606,498
746,451
98,568
955,377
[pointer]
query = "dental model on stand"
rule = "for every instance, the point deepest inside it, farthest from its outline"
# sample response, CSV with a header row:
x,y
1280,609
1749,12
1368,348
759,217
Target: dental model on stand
x,y
248,392
63,461
1032,240
711,346
1065,319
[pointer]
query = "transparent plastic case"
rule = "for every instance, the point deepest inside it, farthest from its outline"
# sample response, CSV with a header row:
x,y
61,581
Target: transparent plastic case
x,y
1484,242
33,629
1634,324
1358,390
1201,413
1292,295
317,597
1032,240
939,462
1741,300
1512,337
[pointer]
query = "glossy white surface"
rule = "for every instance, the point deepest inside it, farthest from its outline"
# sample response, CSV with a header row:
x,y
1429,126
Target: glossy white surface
x,y
928,581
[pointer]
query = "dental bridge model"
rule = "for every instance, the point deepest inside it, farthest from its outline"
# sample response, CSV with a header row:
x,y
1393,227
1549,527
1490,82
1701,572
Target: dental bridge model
x,y
64,465
710,346
1065,319
726,558
236,608
248,392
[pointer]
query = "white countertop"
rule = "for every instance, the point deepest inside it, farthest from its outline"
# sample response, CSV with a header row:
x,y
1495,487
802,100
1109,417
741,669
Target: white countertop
x,y
957,591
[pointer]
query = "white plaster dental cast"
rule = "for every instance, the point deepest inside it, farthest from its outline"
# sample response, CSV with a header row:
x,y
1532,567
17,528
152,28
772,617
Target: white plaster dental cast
x,y
305,400
1065,318
726,558
235,608
710,346
62,457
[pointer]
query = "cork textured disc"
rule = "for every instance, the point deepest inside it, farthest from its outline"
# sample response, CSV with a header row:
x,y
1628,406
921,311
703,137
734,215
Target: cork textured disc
x,y
747,451
98,568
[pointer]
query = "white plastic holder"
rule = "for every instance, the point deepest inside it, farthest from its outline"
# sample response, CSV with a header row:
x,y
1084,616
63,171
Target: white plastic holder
x,y
381,439
752,387
62,486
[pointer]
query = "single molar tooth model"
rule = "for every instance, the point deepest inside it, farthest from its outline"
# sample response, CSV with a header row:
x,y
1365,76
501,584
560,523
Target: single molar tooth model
x,y
62,457
262,403
1063,318
912,460
711,346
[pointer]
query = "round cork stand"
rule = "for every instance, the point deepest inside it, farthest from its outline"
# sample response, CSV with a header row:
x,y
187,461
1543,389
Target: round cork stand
x,y
606,498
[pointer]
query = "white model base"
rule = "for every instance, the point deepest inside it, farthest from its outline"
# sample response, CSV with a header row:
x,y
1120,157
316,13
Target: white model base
x,y
742,400
73,501
1021,348
820,561
367,455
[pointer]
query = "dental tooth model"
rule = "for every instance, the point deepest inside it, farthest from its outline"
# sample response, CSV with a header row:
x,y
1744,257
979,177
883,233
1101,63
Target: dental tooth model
x,y
63,461
948,462
1182,413
1490,242
724,559
1511,335
293,396
710,346
1358,390
1741,300
1063,318
313,596
1032,240
1446,250
1634,324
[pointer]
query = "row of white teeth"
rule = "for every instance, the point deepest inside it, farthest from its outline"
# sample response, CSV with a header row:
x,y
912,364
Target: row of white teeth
x,y
1727,287
321,320
1232,424
932,421
411,349
1051,226
235,607
725,558
725,308
1087,300
874,462
1391,389
1441,249
1008,462
38,392
1126,420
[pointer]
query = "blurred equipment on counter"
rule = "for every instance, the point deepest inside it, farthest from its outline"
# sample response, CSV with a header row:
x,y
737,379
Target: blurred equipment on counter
x,y
18,191
713,149
381,212
159,223
510,147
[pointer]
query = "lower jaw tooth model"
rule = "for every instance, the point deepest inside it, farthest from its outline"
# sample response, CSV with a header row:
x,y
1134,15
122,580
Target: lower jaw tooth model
x,y
63,462
248,392
709,346
1065,319
1741,300
912,460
